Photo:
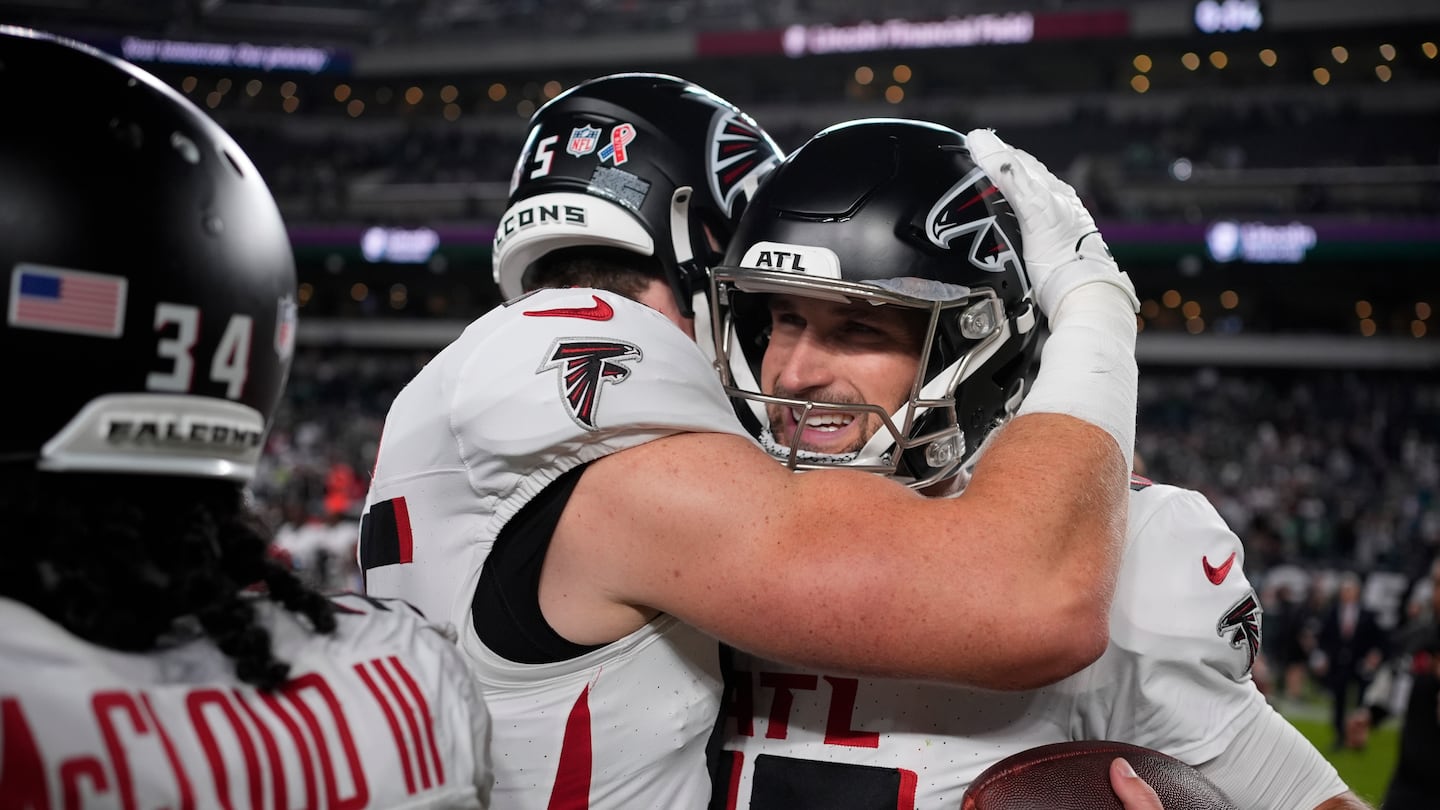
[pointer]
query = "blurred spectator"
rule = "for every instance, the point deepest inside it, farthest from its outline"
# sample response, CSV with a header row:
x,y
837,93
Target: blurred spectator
x,y
1352,646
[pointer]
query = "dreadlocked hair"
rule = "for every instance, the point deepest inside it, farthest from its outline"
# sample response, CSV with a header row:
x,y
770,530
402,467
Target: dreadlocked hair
x,y
604,268
129,562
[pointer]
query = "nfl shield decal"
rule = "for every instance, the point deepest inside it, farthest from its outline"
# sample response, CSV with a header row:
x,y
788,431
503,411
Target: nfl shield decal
x,y
584,365
583,140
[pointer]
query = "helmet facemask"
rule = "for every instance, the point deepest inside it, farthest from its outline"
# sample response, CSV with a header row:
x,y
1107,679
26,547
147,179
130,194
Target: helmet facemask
x,y
924,440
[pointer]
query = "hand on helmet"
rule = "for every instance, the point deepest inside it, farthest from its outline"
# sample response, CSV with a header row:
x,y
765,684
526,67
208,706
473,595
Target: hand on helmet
x,y
1063,248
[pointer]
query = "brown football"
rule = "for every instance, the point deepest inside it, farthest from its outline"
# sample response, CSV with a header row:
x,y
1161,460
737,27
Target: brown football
x,y
1076,776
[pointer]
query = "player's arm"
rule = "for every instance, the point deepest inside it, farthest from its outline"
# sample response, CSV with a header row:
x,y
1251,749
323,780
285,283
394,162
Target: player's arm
x,y
1006,586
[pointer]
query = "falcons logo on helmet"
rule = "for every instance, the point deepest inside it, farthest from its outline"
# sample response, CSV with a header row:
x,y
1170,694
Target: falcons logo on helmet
x,y
1242,623
585,364
740,156
962,211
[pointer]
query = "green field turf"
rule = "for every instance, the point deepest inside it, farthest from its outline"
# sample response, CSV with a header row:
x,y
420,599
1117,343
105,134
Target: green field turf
x,y
1367,772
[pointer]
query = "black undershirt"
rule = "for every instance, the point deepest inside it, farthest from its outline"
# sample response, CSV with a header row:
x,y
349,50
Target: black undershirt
x,y
506,610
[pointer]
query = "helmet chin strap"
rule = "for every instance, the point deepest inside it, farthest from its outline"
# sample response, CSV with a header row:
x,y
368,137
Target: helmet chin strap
x,y
689,281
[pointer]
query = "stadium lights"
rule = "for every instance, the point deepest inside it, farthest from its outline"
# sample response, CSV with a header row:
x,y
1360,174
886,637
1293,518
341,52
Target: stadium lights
x,y
1422,310
1363,309
188,84
1339,54
253,87
901,74
894,94
414,95
1194,325
497,92
1382,72
355,107
304,293
1417,328
552,88
525,108
1367,327
452,112
1191,61
1171,298
1140,83
287,89
864,75
1322,76
1150,308
1229,299
212,100
1143,63
1387,51
1428,48
223,86
1219,59
290,104
1268,57
449,93
342,92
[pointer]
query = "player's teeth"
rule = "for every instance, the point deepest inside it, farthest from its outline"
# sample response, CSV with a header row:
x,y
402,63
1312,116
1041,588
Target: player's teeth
x,y
826,422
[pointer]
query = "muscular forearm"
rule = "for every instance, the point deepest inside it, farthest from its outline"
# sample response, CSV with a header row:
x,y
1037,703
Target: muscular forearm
x,y
1066,520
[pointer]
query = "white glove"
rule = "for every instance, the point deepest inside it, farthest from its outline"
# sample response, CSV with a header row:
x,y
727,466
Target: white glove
x,y
1063,249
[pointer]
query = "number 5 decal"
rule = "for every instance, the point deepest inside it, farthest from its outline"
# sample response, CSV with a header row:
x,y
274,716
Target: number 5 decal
x,y
230,365
544,154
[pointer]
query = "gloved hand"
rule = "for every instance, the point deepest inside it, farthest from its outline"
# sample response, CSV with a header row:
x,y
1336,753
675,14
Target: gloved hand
x,y
1063,249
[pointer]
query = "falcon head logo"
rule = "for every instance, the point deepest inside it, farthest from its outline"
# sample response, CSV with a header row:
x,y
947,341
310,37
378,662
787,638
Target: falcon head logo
x,y
962,212
585,364
740,157
1242,624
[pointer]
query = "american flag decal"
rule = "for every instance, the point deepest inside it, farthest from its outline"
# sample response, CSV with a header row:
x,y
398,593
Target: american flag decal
x,y
61,300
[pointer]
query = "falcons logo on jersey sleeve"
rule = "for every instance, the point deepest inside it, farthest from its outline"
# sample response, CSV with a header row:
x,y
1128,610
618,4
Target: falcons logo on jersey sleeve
x,y
584,364
740,155
1242,624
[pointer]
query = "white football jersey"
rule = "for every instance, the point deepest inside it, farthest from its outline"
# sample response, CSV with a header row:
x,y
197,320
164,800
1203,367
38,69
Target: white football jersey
x,y
379,714
530,391
1184,632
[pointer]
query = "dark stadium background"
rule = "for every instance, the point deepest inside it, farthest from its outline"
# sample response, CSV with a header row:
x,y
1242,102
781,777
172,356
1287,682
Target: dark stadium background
x,y
1268,172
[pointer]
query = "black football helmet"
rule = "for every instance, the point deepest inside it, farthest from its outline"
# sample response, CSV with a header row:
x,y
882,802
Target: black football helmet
x,y
889,213
637,161
149,281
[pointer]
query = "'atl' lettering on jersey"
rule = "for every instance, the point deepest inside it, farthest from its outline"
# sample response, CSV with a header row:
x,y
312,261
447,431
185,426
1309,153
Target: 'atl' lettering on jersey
x,y
840,719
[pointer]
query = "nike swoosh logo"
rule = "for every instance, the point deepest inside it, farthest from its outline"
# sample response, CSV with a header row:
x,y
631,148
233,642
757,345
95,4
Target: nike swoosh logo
x,y
600,312
1216,574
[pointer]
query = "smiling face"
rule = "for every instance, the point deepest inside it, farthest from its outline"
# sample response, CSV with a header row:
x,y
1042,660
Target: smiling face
x,y
833,352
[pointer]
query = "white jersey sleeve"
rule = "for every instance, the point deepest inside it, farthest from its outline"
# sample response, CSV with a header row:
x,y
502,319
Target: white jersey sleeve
x,y
379,714
533,389
1184,633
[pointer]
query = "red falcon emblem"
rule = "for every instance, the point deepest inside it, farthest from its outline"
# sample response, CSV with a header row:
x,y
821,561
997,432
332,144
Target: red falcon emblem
x,y
740,156
1242,623
962,211
584,364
